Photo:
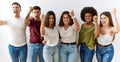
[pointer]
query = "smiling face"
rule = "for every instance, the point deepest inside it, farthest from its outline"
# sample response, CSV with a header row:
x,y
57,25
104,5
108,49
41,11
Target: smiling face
x,y
66,19
104,20
88,17
51,19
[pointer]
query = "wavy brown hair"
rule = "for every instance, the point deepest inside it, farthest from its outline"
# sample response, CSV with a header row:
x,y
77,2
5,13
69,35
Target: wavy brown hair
x,y
61,19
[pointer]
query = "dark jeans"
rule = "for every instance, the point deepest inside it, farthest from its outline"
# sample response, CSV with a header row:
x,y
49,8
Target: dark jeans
x,y
104,54
86,55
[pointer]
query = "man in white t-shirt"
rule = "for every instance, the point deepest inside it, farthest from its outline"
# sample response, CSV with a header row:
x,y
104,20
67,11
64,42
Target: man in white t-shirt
x,y
17,43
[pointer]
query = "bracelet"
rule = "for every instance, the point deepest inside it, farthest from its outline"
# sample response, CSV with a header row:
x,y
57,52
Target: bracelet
x,y
73,17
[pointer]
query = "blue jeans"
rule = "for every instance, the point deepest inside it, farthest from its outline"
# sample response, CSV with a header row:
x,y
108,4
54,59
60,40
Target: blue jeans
x,y
86,55
36,50
18,53
51,54
104,54
68,53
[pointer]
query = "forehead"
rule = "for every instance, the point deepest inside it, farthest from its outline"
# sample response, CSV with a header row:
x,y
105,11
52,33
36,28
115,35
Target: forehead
x,y
51,16
88,14
36,10
103,16
15,5
65,15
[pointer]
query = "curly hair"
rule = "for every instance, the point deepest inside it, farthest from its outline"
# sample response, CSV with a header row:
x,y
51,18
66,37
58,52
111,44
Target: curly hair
x,y
85,10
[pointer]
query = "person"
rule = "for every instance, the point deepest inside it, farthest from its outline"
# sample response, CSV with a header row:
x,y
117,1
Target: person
x,y
51,36
89,31
68,27
33,22
17,43
108,29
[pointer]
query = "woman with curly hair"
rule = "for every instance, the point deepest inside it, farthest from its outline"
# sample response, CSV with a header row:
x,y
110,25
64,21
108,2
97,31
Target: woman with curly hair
x,y
88,32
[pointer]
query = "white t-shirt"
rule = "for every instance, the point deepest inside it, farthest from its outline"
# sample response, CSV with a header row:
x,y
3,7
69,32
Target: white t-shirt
x,y
69,35
17,30
51,36
105,39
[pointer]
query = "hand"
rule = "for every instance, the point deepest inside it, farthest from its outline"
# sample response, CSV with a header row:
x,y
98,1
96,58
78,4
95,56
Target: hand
x,y
44,42
114,11
42,17
71,13
30,9
95,19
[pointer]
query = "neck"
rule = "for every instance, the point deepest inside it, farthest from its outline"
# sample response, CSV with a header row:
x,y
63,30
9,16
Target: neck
x,y
51,26
88,23
16,15
105,27
37,18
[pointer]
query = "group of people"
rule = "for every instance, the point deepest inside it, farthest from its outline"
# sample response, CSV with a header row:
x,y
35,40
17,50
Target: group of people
x,y
54,43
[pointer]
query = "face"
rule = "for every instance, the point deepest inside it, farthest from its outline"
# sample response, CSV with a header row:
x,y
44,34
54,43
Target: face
x,y
104,20
36,13
88,17
51,19
16,8
66,19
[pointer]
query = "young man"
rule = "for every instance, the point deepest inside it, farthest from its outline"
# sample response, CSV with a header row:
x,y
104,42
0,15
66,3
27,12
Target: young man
x,y
36,46
17,43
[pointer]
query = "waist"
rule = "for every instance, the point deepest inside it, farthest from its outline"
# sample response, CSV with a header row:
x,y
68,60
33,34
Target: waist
x,y
73,43
103,45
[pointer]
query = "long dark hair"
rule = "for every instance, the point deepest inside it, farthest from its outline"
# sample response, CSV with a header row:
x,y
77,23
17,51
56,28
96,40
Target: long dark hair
x,y
61,19
106,13
47,23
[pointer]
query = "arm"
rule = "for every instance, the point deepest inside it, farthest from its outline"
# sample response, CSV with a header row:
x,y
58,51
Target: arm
x,y
97,29
115,22
2,22
76,24
28,18
42,27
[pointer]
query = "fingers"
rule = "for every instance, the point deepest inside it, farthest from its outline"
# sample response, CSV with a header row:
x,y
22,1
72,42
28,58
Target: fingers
x,y
30,9
71,13
42,17
95,18
114,11
44,42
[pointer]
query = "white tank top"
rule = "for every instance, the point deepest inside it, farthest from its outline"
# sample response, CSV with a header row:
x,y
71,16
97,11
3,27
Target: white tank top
x,y
105,39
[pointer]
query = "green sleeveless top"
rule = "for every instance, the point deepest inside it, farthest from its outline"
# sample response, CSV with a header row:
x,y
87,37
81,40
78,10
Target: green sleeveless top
x,y
86,36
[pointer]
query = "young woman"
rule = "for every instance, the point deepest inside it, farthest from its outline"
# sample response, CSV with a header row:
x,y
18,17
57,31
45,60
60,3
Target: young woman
x,y
51,37
67,28
108,29
89,31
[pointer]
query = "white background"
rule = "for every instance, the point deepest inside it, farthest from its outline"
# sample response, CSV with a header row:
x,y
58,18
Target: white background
x,y
58,6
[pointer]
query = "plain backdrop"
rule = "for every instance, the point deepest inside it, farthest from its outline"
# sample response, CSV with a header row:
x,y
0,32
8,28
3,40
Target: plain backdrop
x,y
58,6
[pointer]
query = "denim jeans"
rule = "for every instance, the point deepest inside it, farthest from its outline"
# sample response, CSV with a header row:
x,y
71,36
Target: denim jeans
x,y
51,54
86,55
18,54
104,54
68,53
36,50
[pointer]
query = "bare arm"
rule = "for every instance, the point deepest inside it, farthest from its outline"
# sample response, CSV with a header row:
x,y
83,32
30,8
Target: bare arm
x,y
76,24
2,22
97,29
27,19
42,27
115,22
